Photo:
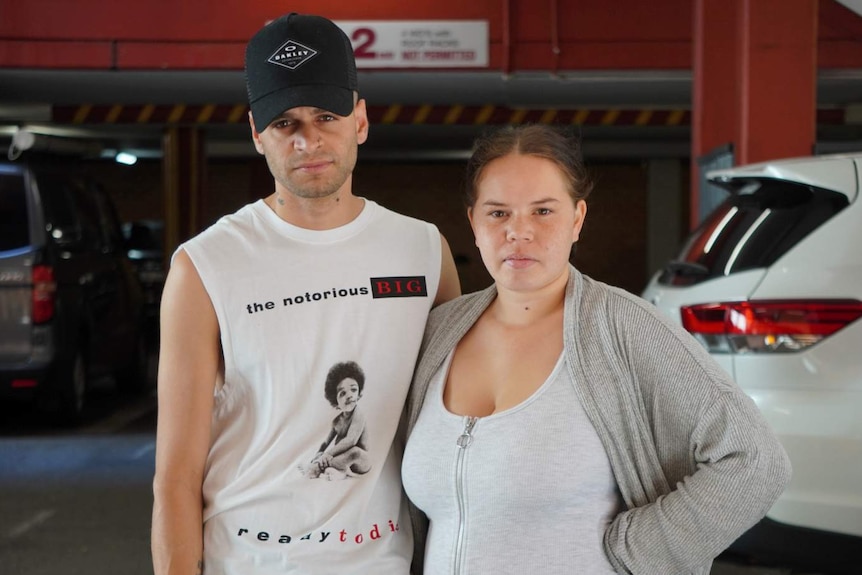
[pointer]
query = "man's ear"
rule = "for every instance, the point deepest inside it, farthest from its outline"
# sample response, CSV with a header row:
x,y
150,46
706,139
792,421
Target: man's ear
x,y
255,136
360,113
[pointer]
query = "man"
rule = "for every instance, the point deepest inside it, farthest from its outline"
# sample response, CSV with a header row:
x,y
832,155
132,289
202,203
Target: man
x,y
257,308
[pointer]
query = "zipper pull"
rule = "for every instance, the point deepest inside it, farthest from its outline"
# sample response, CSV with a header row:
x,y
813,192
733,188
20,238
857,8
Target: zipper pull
x,y
465,439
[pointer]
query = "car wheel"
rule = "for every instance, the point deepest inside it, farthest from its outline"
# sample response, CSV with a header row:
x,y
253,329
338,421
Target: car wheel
x,y
73,390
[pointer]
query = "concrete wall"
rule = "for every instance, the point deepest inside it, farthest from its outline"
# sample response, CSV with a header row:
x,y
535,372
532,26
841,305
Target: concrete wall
x,y
616,241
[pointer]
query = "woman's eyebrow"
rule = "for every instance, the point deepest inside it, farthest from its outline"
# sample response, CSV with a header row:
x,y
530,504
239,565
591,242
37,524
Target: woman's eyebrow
x,y
545,201
495,203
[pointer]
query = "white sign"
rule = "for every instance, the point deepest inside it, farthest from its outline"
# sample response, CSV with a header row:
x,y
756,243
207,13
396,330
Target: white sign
x,y
419,44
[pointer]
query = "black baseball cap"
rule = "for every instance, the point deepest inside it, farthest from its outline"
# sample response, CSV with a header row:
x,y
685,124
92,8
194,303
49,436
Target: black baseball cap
x,y
299,60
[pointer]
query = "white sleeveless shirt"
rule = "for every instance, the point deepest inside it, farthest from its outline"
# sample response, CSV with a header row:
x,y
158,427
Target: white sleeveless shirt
x,y
526,490
291,304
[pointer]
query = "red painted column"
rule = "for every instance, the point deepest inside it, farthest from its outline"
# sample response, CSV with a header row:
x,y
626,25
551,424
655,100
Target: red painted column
x,y
716,85
779,79
754,81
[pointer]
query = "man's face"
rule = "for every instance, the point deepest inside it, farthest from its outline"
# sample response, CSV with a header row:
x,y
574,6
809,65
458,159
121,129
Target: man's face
x,y
312,152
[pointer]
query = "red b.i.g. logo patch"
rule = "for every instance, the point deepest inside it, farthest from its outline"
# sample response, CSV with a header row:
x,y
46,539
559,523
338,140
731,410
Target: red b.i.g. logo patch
x,y
402,286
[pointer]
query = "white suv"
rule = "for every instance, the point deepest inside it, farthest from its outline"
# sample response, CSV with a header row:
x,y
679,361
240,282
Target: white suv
x,y
771,284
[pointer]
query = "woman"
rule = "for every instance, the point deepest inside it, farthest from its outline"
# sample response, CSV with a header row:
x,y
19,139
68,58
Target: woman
x,y
559,425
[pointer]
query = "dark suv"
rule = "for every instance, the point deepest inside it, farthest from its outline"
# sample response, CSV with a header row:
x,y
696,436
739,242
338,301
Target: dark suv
x,y
71,306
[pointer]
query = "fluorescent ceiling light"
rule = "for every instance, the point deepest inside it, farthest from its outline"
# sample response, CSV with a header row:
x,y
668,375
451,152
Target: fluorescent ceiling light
x,y
126,158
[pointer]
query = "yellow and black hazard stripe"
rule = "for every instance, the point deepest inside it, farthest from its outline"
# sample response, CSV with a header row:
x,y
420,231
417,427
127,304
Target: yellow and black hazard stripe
x,y
479,115
150,114
397,114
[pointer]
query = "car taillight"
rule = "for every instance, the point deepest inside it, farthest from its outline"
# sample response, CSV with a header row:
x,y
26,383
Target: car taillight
x,y
44,290
767,326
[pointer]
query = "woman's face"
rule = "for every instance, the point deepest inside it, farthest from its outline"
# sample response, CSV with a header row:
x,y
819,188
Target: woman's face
x,y
525,222
347,394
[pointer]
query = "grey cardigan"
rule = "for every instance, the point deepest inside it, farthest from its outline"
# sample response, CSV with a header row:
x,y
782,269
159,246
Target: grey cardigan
x,y
695,462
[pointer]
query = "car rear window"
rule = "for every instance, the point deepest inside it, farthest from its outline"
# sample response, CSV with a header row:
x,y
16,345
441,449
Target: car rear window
x,y
70,210
755,226
14,228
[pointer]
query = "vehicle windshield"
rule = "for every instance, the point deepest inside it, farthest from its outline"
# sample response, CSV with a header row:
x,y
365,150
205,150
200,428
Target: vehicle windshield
x,y
757,224
14,228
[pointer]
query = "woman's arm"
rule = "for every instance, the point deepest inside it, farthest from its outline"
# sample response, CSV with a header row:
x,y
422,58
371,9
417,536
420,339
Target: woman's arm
x,y
719,458
741,470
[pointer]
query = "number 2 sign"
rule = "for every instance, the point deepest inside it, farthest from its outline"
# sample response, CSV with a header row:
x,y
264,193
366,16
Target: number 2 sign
x,y
419,44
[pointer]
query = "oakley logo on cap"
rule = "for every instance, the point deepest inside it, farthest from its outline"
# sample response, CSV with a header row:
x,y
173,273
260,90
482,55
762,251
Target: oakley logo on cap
x,y
292,55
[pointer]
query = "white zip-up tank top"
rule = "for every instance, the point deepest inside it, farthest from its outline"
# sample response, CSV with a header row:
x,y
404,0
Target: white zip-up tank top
x,y
525,490
294,306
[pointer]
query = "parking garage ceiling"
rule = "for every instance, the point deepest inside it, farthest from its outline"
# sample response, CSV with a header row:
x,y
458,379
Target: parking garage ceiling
x,y
416,110
624,106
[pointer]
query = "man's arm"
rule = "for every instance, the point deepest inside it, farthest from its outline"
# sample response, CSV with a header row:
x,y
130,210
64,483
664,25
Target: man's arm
x,y
188,367
450,285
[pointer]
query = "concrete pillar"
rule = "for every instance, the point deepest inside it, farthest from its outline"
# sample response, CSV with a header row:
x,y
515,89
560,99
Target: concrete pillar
x,y
183,169
665,219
